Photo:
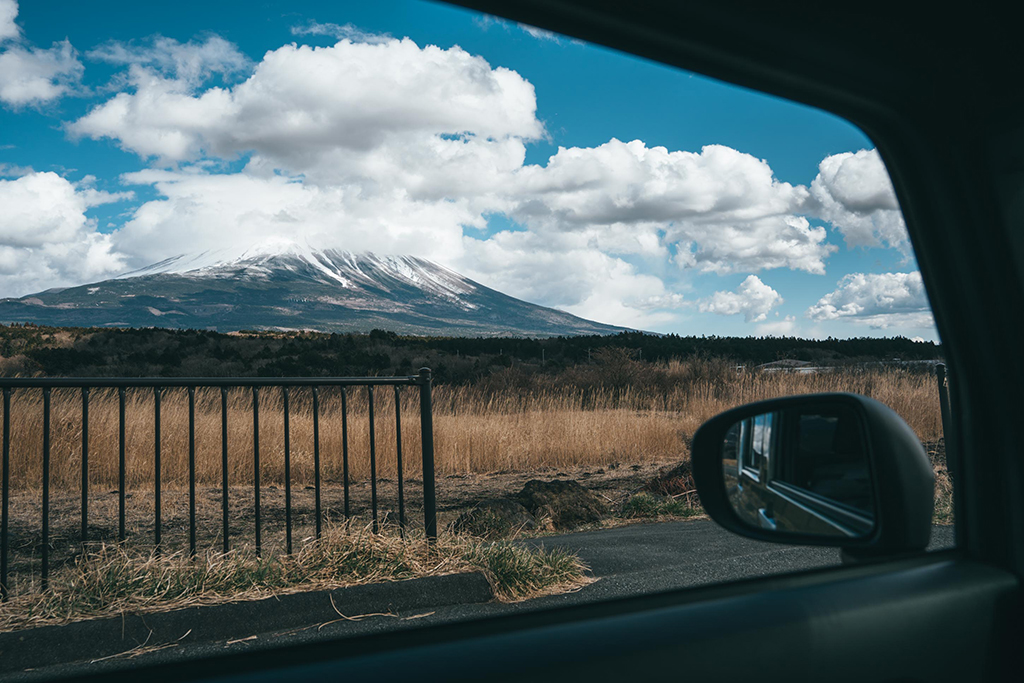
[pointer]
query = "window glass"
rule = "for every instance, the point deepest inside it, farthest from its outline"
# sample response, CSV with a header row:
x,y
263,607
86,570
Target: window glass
x,y
762,438
313,292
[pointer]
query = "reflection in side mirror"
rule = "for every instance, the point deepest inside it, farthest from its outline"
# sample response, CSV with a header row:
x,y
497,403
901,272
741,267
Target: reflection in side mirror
x,y
803,470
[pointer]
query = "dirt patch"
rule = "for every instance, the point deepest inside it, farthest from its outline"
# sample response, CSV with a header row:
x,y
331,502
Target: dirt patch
x,y
613,484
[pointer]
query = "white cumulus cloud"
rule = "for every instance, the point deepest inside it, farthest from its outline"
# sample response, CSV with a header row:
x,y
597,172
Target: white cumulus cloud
x,y
29,75
753,298
628,181
879,300
853,192
724,209
8,13
34,76
46,238
303,104
235,210
571,274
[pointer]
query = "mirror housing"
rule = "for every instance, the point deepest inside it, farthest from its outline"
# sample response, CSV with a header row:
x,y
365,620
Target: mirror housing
x,y
902,478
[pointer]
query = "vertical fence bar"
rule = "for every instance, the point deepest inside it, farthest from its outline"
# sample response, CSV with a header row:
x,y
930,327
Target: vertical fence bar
x,y
398,457
85,465
5,492
427,442
344,445
256,465
156,469
373,460
316,457
45,579
192,471
940,375
287,475
120,464
224,464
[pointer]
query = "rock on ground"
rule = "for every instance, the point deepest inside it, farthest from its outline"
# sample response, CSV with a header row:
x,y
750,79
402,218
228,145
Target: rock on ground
x,y
495,518
564,503
672,481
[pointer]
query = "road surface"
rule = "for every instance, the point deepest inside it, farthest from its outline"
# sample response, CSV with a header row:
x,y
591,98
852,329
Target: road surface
x,y
628,561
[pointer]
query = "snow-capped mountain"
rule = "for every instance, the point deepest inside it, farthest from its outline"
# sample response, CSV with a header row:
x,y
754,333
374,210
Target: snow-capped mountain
x,y
291,286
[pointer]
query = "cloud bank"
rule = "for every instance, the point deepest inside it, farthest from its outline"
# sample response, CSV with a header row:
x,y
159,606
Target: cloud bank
x,y
46,239
878,300
385,145
380,144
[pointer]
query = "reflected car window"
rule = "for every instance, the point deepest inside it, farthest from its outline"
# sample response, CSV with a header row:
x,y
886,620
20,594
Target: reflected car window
x,y
830,460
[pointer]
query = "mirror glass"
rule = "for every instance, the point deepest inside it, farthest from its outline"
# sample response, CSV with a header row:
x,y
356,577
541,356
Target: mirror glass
x,y
801,470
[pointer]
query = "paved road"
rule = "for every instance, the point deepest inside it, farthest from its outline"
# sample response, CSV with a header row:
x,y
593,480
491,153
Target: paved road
x,y
650,558
630,560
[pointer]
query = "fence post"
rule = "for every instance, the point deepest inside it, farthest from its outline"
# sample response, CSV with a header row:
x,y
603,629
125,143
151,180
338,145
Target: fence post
x,y
157,521
940,375
427,441
6,486
85,465
45,547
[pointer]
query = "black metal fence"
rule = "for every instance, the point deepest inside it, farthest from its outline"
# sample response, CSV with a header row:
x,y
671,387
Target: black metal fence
x,y
422,382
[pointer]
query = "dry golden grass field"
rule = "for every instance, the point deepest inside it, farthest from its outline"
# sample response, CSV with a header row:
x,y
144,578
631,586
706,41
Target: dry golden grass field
x,y
476,431
489,439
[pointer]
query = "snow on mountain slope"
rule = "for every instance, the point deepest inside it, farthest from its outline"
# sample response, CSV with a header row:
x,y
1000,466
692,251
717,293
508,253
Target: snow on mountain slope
x,y
329,266
287,285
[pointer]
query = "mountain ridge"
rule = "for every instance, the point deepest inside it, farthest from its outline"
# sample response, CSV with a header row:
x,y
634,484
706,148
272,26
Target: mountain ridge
x,y
287,286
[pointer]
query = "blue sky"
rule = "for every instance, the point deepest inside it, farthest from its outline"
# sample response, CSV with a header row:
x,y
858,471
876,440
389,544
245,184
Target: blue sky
x,y
145,131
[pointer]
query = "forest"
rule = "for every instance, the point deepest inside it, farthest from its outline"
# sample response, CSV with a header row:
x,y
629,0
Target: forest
x,y
31,350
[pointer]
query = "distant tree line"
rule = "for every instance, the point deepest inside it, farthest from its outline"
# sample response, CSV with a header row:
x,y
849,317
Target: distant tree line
x,y
39,350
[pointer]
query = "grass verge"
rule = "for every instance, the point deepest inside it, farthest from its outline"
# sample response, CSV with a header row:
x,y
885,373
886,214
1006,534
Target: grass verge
x,y
110,581
648,506
518,572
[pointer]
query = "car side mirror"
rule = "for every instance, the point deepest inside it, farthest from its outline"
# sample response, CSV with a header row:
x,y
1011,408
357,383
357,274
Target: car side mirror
x,y
820,469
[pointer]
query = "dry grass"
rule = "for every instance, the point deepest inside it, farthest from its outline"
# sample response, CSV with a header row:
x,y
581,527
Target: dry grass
x,y
111,580
476,430
483,429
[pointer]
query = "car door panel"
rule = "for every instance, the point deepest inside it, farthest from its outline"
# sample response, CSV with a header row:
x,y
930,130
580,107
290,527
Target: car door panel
x,y
937,618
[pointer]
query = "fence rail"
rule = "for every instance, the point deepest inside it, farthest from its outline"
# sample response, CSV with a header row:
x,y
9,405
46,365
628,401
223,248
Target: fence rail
x,y
422,381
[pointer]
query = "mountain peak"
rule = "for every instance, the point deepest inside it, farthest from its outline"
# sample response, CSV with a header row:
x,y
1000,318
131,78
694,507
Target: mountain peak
x,y
288,259
284,284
